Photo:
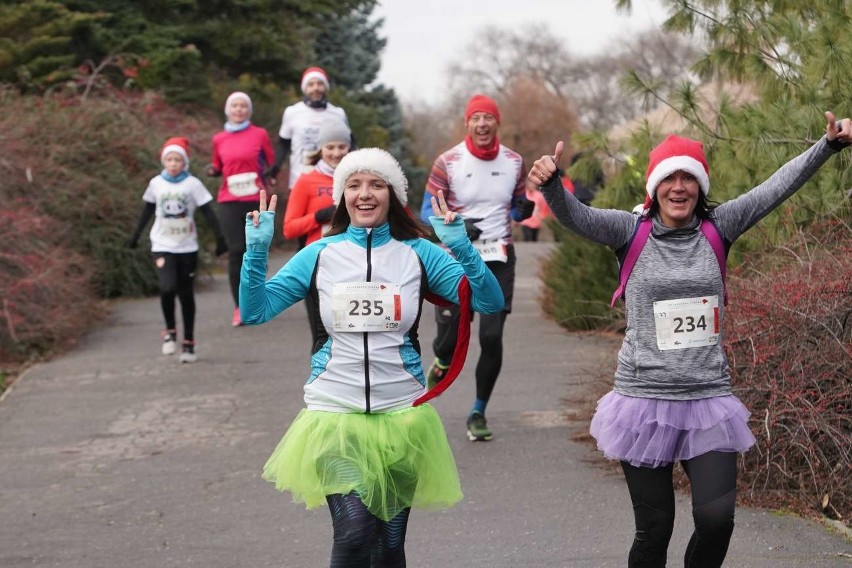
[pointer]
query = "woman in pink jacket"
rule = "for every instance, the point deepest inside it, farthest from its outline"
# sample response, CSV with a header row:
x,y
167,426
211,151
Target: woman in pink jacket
x,y
242,154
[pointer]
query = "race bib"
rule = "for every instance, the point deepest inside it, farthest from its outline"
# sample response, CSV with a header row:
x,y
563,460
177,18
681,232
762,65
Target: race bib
x,y
687,322
244,184
174,229
492,250
366,306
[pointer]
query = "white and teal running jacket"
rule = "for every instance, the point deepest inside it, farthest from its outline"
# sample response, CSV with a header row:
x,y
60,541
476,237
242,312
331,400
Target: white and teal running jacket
x,y
366,371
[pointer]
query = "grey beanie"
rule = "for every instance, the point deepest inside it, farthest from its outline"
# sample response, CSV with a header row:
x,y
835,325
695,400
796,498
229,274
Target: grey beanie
x,y
333,130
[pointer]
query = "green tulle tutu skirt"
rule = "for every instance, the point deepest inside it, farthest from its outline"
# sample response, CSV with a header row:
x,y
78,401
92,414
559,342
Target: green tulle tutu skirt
x,y
391,461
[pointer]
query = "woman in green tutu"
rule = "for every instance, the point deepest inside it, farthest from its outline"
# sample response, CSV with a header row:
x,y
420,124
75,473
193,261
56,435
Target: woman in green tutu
x,y
366,444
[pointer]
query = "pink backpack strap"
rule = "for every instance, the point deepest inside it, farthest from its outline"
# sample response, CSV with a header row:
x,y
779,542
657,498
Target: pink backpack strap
x,y
640,237
711,233
637,243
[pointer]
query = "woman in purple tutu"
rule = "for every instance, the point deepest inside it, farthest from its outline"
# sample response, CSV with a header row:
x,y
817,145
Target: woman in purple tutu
x,y
672,398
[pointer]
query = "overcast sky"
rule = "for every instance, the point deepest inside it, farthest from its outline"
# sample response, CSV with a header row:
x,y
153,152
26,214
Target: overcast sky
x,y
424,36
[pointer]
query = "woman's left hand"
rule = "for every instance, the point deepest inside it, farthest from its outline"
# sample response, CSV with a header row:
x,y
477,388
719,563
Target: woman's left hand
x,y
440,208
840,130
448,225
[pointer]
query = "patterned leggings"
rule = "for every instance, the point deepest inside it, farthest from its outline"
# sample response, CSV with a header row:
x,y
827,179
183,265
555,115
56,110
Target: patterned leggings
x,y
362,540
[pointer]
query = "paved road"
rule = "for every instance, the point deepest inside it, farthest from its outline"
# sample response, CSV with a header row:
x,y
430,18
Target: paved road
x,y
115,456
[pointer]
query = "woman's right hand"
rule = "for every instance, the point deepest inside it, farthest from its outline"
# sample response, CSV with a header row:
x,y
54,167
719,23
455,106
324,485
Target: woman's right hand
x,y
260,223
544,168
256,215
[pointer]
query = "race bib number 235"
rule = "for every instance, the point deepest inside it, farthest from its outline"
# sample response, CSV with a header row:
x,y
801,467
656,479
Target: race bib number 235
x,y
366,306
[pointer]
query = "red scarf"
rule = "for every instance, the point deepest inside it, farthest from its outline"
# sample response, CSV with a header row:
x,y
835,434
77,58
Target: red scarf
x,y
462,341
483,153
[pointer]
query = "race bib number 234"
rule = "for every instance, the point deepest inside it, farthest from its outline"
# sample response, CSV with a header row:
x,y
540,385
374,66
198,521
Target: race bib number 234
x,y
687,322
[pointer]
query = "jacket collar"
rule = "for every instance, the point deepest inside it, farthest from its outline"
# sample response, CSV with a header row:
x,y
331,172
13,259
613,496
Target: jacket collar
x,y
381,234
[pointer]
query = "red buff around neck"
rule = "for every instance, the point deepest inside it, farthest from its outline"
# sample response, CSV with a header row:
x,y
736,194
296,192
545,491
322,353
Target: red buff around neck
x,y
483,153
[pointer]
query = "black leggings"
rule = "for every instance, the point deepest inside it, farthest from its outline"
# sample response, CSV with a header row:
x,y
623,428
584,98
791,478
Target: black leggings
x,y
490,330
232,216
176,273
713,480
490,342
529,234
362,540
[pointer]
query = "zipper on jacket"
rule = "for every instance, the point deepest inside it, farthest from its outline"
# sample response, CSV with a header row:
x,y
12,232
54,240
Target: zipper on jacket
x,y
366,340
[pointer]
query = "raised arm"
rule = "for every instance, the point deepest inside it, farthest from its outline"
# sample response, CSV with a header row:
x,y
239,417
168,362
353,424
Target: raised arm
x,y
736,216
609,227
262,300
444,273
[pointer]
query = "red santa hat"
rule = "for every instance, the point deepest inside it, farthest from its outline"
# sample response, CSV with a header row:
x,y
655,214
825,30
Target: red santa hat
x,y
314,73
176,145
673,154
372,161
481,103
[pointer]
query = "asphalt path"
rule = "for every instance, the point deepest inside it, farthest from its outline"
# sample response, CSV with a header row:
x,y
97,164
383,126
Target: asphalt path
x,y
116,456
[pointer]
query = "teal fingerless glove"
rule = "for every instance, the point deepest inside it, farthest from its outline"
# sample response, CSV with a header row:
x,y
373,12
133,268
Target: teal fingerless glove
x,y
258,238
451,233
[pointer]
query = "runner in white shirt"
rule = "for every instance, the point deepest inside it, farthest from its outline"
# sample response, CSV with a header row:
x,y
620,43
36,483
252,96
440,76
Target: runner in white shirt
x,y
301,122
485,182
172,198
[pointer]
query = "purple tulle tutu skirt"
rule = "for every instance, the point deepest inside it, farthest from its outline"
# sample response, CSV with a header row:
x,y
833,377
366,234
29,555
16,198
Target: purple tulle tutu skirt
x,y
652,432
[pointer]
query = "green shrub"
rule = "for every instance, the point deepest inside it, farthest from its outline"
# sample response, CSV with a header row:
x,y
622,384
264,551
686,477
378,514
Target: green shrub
x,y
580,277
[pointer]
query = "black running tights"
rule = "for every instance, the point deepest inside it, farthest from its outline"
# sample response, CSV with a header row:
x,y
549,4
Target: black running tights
x,y
490,342
362,540
176,273
232,217
713,479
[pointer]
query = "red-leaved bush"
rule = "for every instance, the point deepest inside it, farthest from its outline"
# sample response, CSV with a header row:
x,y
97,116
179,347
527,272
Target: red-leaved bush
x,y
789,341
73,172
46,291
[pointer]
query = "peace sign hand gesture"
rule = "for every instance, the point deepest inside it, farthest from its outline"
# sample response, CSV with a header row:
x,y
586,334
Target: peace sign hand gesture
x,y
439,206
448,225
260,224
256,215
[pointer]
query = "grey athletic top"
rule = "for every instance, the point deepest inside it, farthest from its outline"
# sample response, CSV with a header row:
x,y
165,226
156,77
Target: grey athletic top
x,y
674,264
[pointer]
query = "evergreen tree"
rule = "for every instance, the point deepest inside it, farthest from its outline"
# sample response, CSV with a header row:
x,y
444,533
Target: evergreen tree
x,y
793,58
184,47
34,42
349,47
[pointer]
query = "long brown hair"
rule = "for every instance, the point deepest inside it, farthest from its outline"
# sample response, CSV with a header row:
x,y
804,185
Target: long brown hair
x,y
403,224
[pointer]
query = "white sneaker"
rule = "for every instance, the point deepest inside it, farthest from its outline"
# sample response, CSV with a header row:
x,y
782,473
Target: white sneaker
x,y
169,342
187,352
